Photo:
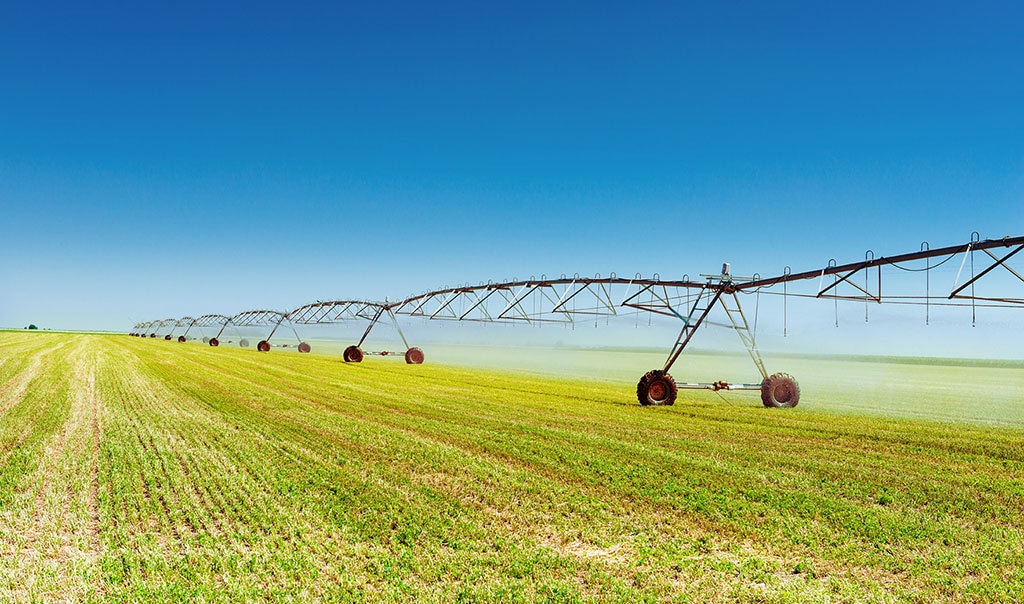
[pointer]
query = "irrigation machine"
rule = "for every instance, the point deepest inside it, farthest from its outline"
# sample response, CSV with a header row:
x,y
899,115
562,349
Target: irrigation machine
x,y
271,319
568,300
340,311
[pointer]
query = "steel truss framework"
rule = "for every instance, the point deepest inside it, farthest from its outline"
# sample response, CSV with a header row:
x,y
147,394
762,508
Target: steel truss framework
x,y
569,300
341,311
139,329
259,318
201,323
159,326
185,322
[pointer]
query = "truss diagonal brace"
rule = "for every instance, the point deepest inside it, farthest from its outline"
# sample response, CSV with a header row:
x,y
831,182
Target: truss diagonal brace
x,y
1006,266
692,322
479,303
998,262
373,321
668,311
846,279
515,304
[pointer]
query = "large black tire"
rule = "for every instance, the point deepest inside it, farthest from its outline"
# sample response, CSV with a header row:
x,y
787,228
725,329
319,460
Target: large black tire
x,y
214,342
352,354
263,346
181,338
304,347
780,390
656,388
414,356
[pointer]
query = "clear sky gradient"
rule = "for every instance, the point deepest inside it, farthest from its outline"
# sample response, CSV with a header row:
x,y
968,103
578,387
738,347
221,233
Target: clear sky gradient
x,y
178,158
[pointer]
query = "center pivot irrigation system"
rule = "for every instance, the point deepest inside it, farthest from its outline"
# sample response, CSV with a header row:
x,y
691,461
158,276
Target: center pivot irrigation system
x,y
568,300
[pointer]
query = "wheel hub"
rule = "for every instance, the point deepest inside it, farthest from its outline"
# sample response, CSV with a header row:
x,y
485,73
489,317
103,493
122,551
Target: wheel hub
x,y
657,391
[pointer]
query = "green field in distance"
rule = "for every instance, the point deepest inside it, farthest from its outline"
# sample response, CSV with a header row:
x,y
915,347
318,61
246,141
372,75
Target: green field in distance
x,y
143,470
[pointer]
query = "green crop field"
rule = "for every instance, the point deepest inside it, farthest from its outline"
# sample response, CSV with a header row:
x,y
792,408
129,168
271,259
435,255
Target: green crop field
x,y
144,470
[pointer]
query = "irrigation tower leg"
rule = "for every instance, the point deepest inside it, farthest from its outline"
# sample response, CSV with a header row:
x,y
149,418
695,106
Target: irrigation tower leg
x,y
657,387
354,354
777,389
264,344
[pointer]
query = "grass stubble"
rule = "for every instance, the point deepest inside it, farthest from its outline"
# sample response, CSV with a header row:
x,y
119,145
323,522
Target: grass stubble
x,y
136,470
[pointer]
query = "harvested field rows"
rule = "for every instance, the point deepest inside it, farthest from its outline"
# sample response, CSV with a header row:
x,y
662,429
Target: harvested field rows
x,y
136,469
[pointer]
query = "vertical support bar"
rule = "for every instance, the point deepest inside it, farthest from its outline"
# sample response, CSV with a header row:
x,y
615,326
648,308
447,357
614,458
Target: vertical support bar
x,y
835,279
869,255
927,282
975,237
785,307
879,300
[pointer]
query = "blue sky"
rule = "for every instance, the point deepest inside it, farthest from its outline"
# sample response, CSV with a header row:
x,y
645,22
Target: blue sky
x,y
179,158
